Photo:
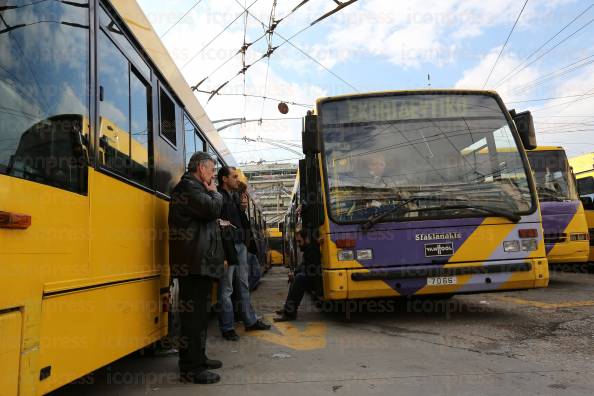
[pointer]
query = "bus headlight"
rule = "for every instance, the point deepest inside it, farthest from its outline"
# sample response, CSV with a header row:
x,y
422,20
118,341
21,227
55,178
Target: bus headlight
x,y
346,255
364,254
579,236
511,246
529,245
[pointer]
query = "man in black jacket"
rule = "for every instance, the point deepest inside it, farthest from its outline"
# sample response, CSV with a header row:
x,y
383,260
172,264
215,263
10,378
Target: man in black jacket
x,y
196,258
304,278
231,212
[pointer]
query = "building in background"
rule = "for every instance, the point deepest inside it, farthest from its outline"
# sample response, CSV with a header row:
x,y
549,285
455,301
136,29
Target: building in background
x,y
272,185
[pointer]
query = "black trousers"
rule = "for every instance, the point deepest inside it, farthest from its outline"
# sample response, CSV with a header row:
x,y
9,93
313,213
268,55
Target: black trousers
x,y
301,284
194,306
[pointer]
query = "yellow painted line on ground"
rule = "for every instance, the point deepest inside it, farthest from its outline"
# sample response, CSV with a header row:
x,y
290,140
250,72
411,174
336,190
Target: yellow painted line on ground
x,y
544,305
287,334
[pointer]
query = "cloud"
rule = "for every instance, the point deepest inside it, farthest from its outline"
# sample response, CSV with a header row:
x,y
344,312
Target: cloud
x,y
475,77
416,32
569,122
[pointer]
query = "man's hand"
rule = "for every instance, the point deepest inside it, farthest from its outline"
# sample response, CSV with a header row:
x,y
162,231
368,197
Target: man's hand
x,y
225,265
291,276
210,187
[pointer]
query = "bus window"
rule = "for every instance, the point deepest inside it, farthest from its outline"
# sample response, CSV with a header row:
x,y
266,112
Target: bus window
x,y
194,142
586,186
44,111
140,115
168,119
124,114
116,34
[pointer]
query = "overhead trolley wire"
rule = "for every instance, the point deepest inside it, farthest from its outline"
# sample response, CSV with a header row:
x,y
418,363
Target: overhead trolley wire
x,y
556,74
505,78
245,47
182,17
551,98
285,41
505,44
257,96
270,32
553,47
218,35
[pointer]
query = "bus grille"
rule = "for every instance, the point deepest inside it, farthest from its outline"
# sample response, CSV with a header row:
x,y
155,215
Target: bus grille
x,y
555,237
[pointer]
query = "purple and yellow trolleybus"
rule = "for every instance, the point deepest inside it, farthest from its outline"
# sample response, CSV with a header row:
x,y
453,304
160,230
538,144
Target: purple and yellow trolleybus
x,y
563,218
420,193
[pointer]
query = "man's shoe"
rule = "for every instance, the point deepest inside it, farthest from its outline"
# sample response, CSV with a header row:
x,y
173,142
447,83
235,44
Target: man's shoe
x,y
259,325
213,364
230,335
204,377
285,317
280,311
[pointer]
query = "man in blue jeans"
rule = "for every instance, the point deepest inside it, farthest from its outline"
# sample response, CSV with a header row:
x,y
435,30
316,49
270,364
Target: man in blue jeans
x,y
228,184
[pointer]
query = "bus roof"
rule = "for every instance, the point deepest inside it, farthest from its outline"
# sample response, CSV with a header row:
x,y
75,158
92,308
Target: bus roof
x,y
141,28
409,91
548,148
582,163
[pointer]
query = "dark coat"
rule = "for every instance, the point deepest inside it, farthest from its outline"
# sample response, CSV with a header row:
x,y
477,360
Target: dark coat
x,y
195,244
312,260
250,233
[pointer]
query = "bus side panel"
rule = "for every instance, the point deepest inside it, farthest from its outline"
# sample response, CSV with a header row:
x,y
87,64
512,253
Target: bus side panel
x,y
122,228
10,351
574,221
590,220
161,246
55,247
89,329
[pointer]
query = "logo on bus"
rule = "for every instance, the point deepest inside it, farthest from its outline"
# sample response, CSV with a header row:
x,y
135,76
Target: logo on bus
x,y
439,249
438,236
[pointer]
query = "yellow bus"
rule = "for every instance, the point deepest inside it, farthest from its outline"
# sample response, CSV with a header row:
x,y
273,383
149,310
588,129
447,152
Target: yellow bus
x,y
96,126
398,189
275,246
583,168
563,218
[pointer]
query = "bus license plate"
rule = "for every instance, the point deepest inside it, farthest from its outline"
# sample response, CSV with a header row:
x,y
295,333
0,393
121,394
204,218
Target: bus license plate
x,y
441,281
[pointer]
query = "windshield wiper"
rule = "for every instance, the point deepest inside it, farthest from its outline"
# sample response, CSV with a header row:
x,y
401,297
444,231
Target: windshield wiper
x,y
550,193
488,209
375,219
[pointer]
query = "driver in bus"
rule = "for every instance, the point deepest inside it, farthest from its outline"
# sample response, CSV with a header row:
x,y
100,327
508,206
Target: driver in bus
x,y
376,168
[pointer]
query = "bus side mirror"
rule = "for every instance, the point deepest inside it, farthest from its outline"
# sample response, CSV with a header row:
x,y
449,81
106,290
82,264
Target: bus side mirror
x,y
587,202
281,227
310,136
525,126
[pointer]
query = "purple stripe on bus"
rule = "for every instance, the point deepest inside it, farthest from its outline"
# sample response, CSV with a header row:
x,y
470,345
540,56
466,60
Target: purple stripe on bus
x,y
395,245
556,216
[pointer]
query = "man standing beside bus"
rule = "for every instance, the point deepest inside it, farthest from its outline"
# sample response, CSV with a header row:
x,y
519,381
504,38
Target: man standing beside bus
x,y
228,185
196,258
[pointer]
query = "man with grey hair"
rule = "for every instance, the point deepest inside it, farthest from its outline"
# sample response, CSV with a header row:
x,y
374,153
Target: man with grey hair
x,y
196,257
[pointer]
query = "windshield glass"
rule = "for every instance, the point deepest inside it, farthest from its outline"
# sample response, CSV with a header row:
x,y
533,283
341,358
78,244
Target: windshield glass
x,y
416,155
554,181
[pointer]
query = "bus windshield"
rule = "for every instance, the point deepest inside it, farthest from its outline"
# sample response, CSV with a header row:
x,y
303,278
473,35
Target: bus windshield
x,y
421,156
554,181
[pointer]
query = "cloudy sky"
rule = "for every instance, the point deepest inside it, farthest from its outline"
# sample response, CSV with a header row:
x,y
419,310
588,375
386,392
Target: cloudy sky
x,y
547,66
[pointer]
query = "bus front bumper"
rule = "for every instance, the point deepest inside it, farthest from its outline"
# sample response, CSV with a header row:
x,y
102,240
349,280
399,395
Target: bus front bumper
x,y
394,281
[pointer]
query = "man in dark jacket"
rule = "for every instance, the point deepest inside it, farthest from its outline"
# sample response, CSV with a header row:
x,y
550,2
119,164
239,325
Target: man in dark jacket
x,y
305,277
231,212
196,258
